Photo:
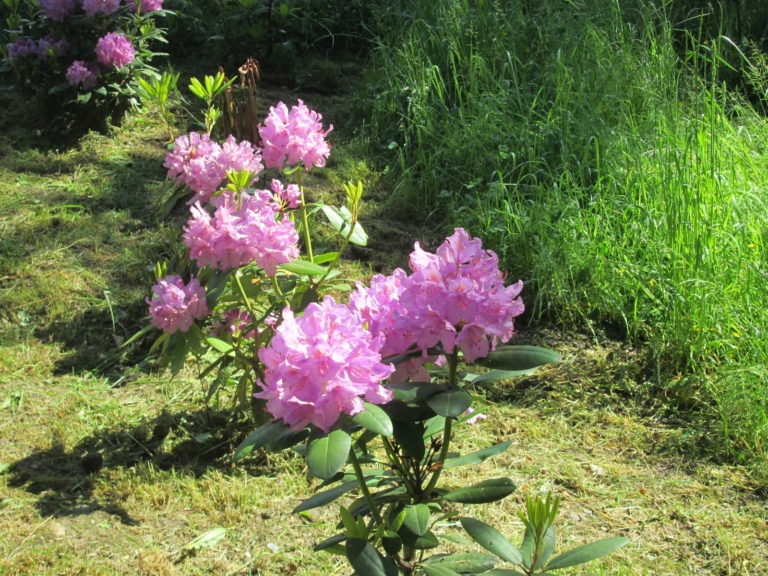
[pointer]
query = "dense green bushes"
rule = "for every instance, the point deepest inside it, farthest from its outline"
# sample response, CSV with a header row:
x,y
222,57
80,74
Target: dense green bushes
x,y
599,149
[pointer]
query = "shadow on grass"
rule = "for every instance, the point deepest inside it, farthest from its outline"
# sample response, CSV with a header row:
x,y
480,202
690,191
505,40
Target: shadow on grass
x,y
188,442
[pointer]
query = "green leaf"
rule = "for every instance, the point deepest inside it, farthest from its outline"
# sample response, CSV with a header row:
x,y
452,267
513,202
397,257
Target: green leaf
x,y
374,419
434,425
330,542
528,549
427,541
410,436
325,497
206,540
492,540
260,437
587,553
303,268
436,570
486,491
505,572
327,257
327,455
221,346
341,221
519,358
451,403
417,519
469,563
367,561
391,542
478,456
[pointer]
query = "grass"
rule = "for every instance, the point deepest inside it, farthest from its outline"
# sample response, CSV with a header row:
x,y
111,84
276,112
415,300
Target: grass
x,y
595,147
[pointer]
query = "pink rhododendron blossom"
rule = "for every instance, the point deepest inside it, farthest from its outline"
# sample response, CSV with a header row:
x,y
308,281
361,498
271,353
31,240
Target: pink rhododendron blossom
x,y
320,365
146,5
294,137
176,305
114,50
57,10
236,235
454,298
22,48
290,195
201,164
93,7
80,74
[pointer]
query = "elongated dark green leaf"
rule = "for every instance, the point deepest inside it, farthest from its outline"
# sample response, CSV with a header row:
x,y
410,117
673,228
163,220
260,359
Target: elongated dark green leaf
x,y
587,553
469,563
327,257
519,358
327,455
478,456
417,519
436,570
260,437
410,435
427,541
505,572
221,346
330,543
451,403
367,561
304,268
374,419
492,540
325,497
487,491
528,549
391,542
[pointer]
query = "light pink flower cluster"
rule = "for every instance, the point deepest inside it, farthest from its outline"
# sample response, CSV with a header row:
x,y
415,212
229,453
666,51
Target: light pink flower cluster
x,y
454,298
294,137
176,305
321,365
146,5
42,48
93,7
235,235
81,74
114,50
201,164
57,10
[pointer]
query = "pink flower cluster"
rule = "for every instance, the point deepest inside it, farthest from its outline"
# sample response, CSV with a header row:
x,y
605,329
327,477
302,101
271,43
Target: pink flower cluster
x,y
114,50
176,305
93,7
81,74
57,10
321,365
294,137
240,233
454,298
42,48
146,5
201,164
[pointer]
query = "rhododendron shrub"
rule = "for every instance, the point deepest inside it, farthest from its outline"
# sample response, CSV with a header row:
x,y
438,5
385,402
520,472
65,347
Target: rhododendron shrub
x,y
374,378
81,60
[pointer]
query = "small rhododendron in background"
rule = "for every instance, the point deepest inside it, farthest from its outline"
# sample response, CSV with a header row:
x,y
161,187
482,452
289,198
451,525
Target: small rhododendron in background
x,y
175,305
78,59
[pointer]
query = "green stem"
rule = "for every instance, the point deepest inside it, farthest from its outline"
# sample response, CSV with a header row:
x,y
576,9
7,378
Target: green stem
x,y
364,487
304,219
246,300
453,362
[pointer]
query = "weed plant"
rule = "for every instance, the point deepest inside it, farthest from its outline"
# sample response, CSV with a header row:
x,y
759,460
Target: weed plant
x,y
596,148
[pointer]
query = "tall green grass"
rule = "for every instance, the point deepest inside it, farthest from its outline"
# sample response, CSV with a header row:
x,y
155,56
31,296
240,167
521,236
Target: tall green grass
x,y
594,147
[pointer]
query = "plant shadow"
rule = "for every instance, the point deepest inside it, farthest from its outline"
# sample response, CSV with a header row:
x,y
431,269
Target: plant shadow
x,y
66,481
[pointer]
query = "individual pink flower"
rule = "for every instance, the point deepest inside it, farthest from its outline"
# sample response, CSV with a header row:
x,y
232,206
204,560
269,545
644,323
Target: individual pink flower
x,y
146,5
239,233
474,417
320,365
57,10
81,74
290,195
93,7
114,50
294,137
176,305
